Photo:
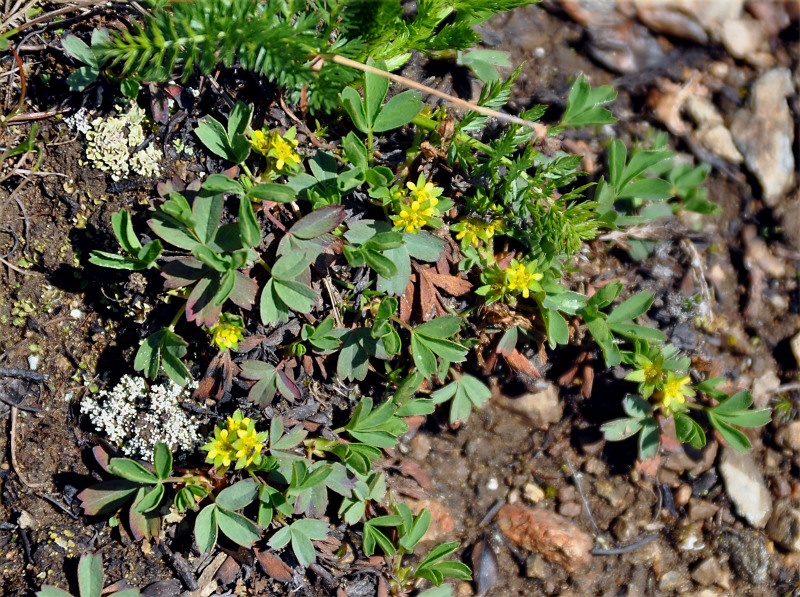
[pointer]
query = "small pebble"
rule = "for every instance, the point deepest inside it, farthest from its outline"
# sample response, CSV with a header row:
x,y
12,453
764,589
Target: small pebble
x,y
76,313
533,493
682,495
33,362
570,509
493,484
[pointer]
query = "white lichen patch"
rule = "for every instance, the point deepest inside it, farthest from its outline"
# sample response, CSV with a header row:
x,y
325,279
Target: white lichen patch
x,y
135,417
111,140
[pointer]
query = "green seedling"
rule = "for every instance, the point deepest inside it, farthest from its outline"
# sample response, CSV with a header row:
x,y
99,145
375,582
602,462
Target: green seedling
x,y
90,581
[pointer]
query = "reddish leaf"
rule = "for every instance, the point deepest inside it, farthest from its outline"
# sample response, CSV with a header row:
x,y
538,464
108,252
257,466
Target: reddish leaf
x,y
250,343
520,363
272,564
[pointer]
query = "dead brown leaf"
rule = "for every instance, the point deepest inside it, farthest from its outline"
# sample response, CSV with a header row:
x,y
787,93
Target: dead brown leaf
x,y
521,364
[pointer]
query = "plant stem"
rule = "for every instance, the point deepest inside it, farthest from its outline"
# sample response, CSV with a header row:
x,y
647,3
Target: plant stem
x,y
177,318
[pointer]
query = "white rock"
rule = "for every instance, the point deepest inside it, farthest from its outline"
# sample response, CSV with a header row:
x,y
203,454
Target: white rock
x,y
718,140
745,486
745,39
764,133
763,388
33,362
541,408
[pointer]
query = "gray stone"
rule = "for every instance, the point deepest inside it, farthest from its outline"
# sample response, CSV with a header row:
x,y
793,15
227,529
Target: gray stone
x,y
672,580
746,487
784,527
749,557
764,133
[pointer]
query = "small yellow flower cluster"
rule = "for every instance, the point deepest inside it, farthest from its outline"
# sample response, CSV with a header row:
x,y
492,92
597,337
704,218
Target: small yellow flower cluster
x,y
228,331
674,394
238,441
278,147
473,231
521,277
418,209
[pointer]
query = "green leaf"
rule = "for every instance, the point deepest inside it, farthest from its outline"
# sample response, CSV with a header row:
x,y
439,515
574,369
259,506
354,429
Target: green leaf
x,y
270,191
636,407
737,440
172,231
382,265
689,431
150,500
297,296
584,105
620,429
649,439
289,266
210,258
738,402
557,327
355,109
130,88
446,349
424,358
114,261
568,302
82,78
631,308
215,138
375,88
605,295
131,470
123,230
441,327
90,575
76,48
400,110
237,528
654,189
219,183
238,495
47,590
631,330
424,246
205,528
162,460
239,119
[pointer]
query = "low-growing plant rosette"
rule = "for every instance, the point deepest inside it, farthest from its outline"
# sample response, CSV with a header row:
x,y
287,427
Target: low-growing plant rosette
x,y
507,283
236,441
418,208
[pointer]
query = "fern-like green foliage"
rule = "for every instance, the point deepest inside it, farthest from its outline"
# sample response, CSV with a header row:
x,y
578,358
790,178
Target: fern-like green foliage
x,y
280,39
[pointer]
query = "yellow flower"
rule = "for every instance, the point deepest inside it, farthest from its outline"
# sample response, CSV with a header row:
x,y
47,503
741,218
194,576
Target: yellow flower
x,y
248,444
220,451
423,193
412,216
473,231
227,332
277,146
673,396
259,141
238,440
283,151
520,277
